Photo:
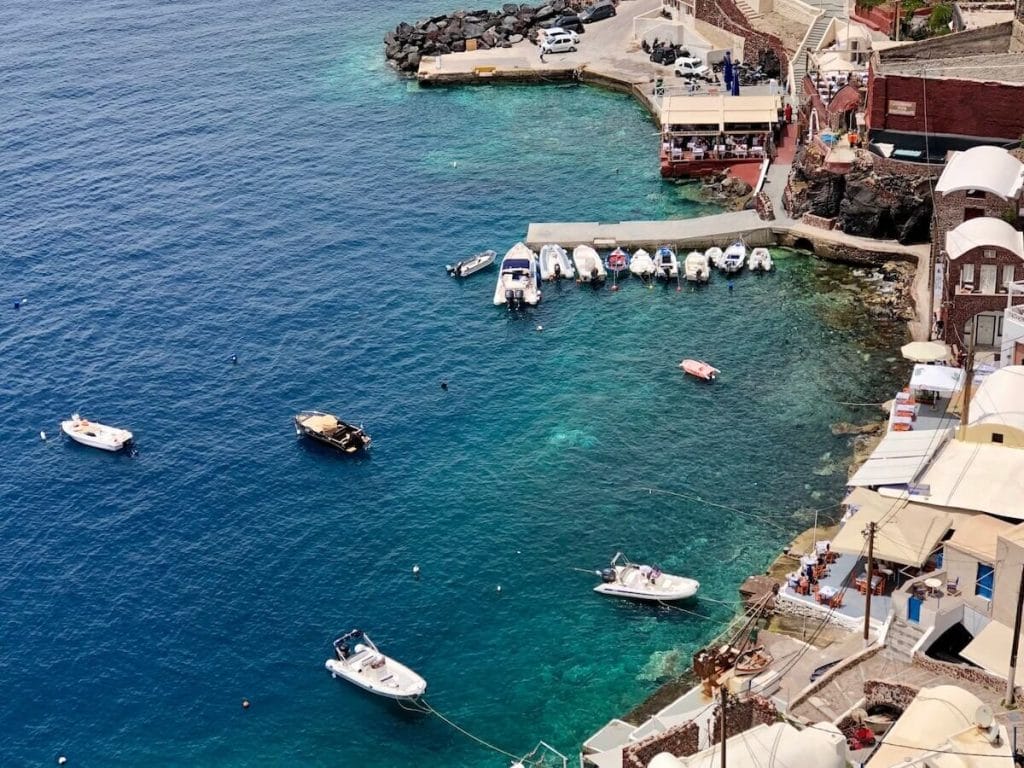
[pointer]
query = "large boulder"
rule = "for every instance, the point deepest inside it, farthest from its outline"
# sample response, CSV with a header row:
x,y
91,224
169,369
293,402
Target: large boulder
x,y
474,29
510,8
509,23
513,39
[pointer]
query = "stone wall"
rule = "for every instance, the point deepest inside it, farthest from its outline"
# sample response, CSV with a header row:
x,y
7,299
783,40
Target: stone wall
x,y
889,694
818,222
958,308
830,675
965,674
726,15
764,207
684,740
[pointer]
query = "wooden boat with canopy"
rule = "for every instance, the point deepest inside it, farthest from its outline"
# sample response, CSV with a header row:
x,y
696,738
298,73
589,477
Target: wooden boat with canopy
x,y
331,430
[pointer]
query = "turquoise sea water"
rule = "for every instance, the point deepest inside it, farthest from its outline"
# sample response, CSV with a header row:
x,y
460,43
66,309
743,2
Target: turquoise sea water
x,y
190,180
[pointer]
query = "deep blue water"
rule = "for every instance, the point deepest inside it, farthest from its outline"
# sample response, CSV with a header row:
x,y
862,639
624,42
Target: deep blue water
x,y
184,181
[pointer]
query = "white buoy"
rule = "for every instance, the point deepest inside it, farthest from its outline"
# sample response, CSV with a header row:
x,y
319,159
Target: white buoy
x,y
415,570
61,760
499,588
42,435
540,328
455,163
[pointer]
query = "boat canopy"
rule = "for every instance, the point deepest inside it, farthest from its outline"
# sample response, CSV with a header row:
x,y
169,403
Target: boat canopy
x,y
321,422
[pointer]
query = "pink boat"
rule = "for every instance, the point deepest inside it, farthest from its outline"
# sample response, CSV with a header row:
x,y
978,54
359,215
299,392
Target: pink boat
x,y
700,369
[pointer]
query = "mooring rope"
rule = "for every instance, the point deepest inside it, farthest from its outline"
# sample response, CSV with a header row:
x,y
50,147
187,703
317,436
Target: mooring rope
x,y
421,705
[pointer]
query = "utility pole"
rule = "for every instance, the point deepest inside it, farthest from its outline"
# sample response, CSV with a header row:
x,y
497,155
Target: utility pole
x,y
965,406
725,698
871,573
1015,643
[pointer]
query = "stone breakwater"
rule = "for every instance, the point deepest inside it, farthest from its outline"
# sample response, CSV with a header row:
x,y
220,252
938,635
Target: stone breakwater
x,y
408,43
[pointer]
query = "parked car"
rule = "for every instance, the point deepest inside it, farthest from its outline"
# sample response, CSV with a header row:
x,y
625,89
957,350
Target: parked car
x,y
691,67
597,11
570,22
547,34
563,43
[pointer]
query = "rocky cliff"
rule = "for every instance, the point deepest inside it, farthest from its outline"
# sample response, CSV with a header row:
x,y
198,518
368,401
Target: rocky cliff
x,y
863,201
408,43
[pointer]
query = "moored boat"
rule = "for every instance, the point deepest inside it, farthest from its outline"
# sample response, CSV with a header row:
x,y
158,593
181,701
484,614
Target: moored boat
x,y
472,265
752,662
643,582
734,257
696,267
94,434
518,279
589,267
666,263
642,265
700,369
760,260
618,261
714,254
330,430
554,263
363,665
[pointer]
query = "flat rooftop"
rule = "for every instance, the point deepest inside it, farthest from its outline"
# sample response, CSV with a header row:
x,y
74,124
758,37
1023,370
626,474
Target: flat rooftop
x,y
988,67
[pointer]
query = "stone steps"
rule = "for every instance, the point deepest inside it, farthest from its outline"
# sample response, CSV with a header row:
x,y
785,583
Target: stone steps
x,y
902,638
746,9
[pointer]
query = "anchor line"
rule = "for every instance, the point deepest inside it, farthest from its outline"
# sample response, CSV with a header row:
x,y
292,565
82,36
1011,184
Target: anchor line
x,y
421,705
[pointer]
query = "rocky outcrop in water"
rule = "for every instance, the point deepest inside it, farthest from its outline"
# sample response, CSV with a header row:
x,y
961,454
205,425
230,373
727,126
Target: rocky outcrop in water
x,y
862,201
730,192
409,43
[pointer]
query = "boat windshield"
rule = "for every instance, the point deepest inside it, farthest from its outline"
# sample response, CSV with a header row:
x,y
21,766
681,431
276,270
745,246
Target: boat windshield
x,y
510,264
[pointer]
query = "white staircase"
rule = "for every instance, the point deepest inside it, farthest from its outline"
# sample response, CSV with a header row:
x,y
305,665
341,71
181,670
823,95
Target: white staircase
x,y
747,9
798,64
902,638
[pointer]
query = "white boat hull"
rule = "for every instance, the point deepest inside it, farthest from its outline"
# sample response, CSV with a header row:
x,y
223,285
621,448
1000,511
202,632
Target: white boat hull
x,y
734,258
555,263
631,583
697,268
589,267
714,254
95,435
518,278
642,265
760,260
392,680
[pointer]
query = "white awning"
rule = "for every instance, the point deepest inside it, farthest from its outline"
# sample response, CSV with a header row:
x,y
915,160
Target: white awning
x,y
944,379
720,111
900,457
982,477
907,533
991,648
978,536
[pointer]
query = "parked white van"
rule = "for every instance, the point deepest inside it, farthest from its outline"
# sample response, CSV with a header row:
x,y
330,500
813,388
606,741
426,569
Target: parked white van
x,y
564,42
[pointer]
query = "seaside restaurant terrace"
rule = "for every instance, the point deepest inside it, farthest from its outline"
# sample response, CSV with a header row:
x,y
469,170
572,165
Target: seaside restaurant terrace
x,y
834,578
707,134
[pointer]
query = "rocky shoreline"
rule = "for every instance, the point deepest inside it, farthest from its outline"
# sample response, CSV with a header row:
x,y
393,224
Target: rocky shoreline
x,y
407,44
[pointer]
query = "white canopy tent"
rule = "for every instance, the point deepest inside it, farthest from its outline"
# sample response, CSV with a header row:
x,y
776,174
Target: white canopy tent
x,y
943,379
906,533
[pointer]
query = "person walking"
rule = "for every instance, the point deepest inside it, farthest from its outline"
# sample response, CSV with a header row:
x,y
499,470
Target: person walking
x,y
789,113
542,54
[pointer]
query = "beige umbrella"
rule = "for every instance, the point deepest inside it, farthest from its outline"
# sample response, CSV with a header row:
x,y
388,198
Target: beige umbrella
x,y
925,351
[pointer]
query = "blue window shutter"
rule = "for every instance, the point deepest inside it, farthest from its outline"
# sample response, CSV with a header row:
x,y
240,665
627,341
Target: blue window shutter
x,y
985,581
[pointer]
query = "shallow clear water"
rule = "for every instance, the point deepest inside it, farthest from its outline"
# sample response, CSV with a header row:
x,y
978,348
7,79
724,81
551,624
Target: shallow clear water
x,y
186,181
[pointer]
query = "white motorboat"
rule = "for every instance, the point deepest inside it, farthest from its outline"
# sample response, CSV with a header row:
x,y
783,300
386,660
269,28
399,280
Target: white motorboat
x,y
365,666
642,265
734,257
589,267
472,265
697,267
643,582
666,263
760,260
555,264
94,434
518,279
714,254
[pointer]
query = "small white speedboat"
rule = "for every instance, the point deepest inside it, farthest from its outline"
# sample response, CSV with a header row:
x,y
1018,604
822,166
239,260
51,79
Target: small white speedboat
x,y
472,265
666,263
642,265
365,666
589,267
643,582
734,257
760,260
696,267
94,434
518,280
714,254
555,264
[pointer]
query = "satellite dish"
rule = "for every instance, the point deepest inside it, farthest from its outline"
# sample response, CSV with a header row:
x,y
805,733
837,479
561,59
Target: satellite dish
x,y
983,716
859,714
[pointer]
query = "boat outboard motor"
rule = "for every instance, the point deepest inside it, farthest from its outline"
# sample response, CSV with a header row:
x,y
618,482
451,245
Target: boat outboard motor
x,y
510,296
558,271
519,297
593,274
608,575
